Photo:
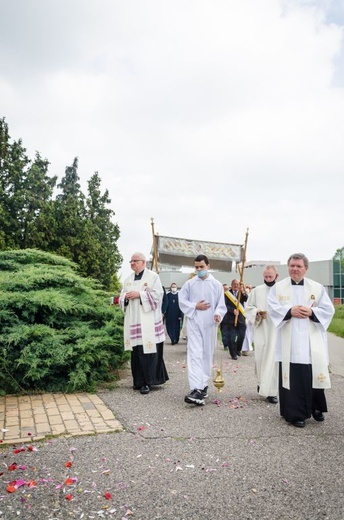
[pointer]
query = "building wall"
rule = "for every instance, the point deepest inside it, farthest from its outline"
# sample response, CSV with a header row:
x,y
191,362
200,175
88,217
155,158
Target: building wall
x,y
321,272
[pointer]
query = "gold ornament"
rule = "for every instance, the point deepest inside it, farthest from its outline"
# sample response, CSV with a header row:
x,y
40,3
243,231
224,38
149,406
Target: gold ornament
x,y
219,382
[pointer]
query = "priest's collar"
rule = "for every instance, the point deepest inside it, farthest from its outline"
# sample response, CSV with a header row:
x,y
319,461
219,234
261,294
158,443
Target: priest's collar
x,y
139,275
301,282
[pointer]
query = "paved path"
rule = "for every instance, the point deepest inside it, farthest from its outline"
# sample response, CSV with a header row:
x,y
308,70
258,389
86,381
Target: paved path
x,y
34,417
234,458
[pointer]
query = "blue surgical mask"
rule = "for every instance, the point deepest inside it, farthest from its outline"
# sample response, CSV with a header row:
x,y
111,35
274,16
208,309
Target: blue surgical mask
x,y
202,274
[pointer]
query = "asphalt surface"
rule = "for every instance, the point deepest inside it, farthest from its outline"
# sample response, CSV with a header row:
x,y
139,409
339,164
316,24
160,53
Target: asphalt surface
x,y
234,458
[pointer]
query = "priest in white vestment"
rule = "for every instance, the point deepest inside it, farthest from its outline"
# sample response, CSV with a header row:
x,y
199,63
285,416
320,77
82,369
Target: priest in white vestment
x,y
301,310
264,336
141,300
201,299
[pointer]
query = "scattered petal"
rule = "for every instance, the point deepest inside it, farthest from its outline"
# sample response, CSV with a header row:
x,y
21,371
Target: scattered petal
x,y
19,483
70,481
68,464
10,489
108,496
69,497
12,467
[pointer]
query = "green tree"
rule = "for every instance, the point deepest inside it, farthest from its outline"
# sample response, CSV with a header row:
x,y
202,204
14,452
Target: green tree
x,y
73,226
58,330
13,162
38,222
70,214
25,195
103,234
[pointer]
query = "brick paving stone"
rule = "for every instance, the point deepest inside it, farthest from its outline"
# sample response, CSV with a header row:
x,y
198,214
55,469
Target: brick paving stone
x,y
31,418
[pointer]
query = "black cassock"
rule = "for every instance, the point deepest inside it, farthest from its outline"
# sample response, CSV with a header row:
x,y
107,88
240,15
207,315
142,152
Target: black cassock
x,y
173,317
148,369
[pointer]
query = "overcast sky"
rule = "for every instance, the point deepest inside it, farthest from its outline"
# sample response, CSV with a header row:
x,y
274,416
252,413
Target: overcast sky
x,y
211,116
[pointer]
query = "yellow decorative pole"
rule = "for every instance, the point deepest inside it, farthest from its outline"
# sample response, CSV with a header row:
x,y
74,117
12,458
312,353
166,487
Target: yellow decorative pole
x,y
241,271
155,250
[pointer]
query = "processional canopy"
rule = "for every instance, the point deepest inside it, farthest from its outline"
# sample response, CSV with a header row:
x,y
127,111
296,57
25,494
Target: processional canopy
x,y
179,252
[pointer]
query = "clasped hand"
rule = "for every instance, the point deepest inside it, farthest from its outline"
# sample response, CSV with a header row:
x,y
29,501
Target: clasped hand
x,y
131,295
301,312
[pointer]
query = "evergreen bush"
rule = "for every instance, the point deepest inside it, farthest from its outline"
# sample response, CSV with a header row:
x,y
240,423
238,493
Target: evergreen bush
x,y
58,330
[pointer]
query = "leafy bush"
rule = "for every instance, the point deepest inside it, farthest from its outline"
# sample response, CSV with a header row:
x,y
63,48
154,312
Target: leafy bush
x,y
58,331
337,323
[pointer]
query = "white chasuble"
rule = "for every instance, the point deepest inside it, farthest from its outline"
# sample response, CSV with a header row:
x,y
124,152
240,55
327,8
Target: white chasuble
x,y
143,324
302,340
264,339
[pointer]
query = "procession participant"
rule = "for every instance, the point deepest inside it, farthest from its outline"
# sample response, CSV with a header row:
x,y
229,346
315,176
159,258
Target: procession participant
x,y
264,336
234,322
224,336
201,299
248,339
173,314
144,335
301,310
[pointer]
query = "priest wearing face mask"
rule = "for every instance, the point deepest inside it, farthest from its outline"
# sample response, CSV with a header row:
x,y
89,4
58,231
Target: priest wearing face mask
x,y
144,335
201,299
264,336
173,315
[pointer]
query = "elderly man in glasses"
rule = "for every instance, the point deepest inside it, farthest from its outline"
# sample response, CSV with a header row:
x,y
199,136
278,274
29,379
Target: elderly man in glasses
x,y
144,335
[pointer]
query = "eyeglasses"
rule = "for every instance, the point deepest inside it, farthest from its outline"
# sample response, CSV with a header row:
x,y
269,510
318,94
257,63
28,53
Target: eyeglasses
x,y
135,261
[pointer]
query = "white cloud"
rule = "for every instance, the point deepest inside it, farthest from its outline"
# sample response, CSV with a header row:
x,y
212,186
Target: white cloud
x,y
210,117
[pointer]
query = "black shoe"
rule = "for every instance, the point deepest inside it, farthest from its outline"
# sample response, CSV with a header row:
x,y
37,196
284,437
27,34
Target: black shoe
x,y
144,389
272,399
195,397
299,424
239,352
318,416
204,392
233,353
225,348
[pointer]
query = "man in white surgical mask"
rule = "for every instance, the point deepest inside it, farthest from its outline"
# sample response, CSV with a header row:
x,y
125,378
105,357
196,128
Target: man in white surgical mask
x,y
201,299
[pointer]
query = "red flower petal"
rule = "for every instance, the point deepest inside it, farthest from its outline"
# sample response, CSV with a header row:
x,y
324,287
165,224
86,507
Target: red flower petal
x,y
68,464
10,489
108,496
69,481
12,467
69,497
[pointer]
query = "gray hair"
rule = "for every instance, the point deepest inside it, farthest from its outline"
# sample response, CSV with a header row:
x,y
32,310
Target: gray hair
x,y
140,255
299,256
